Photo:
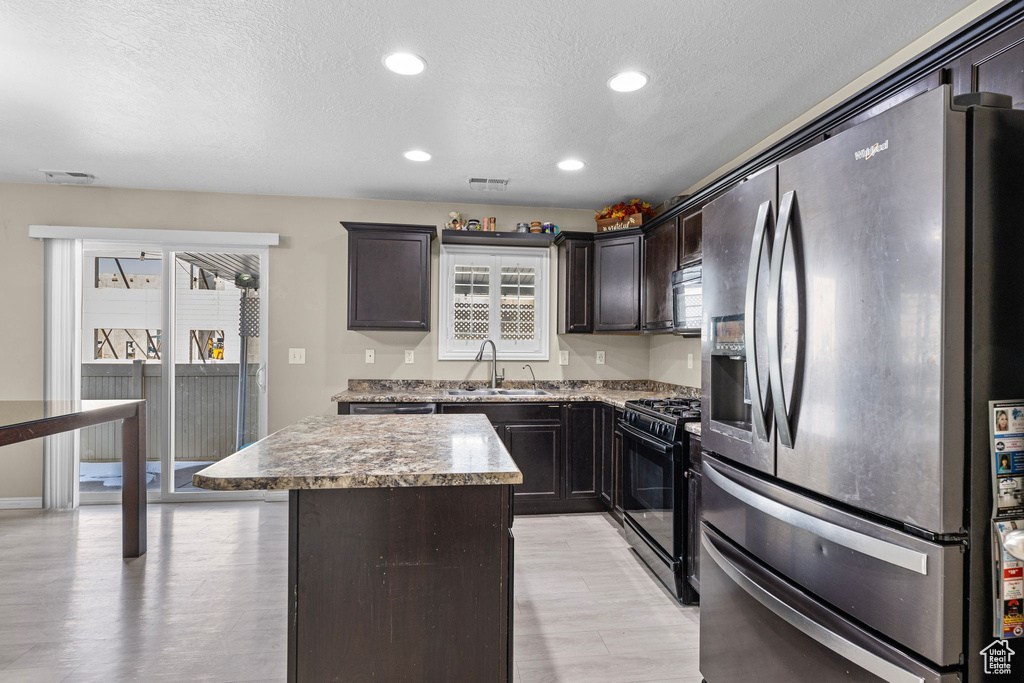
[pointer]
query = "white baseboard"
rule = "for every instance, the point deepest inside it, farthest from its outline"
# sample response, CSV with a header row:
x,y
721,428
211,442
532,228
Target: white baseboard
x,y
21,503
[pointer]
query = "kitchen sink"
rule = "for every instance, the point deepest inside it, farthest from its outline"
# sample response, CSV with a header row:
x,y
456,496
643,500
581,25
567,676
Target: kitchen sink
x,y
522,392
496,392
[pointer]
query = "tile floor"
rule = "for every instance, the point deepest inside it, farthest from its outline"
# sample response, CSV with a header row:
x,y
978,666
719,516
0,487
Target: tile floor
x,y
206,602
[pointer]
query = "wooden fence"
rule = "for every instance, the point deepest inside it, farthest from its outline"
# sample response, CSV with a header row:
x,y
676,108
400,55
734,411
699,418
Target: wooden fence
x,y
205,400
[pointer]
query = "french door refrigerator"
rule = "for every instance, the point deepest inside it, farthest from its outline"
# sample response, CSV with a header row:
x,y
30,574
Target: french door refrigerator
x,y
863,301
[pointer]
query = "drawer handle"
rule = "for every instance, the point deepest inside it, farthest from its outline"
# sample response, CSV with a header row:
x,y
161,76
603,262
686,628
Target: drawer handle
x,y
885,551
866,660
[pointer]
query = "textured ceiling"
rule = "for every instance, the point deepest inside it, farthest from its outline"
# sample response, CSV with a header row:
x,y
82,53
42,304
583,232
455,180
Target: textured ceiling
x,y
290,97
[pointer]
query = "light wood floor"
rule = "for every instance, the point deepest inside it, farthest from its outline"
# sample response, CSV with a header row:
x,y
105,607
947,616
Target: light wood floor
x,y
207,602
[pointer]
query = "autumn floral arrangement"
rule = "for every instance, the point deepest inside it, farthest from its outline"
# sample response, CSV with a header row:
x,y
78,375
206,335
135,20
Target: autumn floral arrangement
x,y
623,215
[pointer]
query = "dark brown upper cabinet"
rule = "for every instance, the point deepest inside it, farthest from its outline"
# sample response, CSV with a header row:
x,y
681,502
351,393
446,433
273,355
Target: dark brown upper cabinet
x,y
389,276
617,281
691,232
575,282
660,258
995,66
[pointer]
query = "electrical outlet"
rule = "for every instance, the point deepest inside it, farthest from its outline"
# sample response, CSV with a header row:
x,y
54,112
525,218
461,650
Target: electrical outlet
x,y
369,355
410,356
297,356
563,357
600,357
689,361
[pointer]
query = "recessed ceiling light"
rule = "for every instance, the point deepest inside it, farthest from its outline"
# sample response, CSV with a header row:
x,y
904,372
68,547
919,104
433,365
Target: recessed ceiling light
x,y
627,81
404,63
571,165
417,155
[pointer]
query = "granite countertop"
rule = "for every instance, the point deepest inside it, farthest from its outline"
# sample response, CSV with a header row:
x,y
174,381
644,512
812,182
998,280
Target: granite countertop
x,y
692,427
612,392
368,451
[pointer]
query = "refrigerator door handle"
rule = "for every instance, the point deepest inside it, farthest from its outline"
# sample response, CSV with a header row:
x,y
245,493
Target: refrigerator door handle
x,y
850,651
774,339
888,552
764,215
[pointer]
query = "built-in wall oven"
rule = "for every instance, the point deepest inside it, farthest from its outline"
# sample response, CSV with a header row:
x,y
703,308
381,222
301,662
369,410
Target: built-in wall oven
x,y
653,488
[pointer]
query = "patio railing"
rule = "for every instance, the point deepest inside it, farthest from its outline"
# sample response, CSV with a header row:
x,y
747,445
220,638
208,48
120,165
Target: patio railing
x,y
205,400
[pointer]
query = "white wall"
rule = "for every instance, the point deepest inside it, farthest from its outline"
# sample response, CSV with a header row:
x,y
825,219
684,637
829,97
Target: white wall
x,y
668,360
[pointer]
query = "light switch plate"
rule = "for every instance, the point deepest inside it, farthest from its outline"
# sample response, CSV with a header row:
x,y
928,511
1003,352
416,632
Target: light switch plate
x,y
297,356
563,357
600,357
410,356
689,361
369,355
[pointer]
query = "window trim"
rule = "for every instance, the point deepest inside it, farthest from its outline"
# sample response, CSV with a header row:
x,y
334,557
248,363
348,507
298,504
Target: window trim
x,y
496,255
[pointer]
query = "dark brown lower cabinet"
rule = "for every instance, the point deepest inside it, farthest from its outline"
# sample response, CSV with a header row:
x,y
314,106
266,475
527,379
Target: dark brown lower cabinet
x,y
536,448
400,584
693,513
558,448
611,464
584,443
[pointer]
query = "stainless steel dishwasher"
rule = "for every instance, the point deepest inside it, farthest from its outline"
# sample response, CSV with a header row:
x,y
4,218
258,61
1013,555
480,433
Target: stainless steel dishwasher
x,y
392,408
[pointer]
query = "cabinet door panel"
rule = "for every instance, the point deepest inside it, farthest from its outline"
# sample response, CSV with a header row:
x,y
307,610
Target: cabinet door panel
x,y
691,234
997,65
583,445
388,277
576,287
617,284
607,467
617,464
660,258
536,448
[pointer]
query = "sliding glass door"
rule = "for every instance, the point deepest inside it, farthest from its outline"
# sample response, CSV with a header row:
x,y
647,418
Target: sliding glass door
x,y
185,329
122,343
219,371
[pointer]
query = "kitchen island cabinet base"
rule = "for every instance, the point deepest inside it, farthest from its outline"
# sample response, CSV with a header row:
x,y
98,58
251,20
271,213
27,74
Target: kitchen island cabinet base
x,y
400,584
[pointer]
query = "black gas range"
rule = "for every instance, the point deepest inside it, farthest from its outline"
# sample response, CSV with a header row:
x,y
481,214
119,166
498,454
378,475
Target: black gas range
x,y
653,487
662,417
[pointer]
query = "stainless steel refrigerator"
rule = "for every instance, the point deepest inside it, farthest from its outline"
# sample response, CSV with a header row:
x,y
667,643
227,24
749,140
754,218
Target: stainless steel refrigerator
x,y
863,301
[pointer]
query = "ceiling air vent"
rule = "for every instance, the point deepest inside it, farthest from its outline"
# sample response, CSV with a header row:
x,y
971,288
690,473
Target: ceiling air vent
x,y
498,184
69,178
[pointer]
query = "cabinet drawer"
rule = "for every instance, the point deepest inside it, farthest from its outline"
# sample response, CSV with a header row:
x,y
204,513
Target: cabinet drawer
x,y
499,413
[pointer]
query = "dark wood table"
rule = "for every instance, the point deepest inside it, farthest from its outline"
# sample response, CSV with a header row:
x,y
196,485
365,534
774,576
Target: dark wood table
x,y
25,420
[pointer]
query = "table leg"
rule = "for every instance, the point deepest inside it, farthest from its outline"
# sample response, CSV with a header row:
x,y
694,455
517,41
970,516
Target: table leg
x,y
133,484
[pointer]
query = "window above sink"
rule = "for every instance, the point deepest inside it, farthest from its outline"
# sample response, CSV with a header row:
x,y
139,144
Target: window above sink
x,y
497,293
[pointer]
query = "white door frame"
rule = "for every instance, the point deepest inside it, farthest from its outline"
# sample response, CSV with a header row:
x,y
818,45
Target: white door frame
x,y
169,242
170,252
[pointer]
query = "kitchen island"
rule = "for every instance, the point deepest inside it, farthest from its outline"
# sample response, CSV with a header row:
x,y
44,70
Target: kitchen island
x,y
400,544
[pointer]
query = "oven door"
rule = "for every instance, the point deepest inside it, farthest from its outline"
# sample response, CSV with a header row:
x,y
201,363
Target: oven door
x,y
650,492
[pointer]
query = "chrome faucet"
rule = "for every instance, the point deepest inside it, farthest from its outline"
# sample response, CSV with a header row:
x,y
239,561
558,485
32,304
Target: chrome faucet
x,y
532,375
495,377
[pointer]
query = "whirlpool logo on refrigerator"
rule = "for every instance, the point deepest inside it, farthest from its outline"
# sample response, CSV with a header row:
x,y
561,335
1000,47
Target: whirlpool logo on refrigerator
x,y
871,151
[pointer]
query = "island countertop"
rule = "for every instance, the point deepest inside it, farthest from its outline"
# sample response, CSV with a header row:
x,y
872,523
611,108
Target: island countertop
x,y
368,451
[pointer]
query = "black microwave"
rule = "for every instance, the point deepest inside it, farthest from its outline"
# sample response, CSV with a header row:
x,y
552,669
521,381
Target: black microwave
x,y
687,303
